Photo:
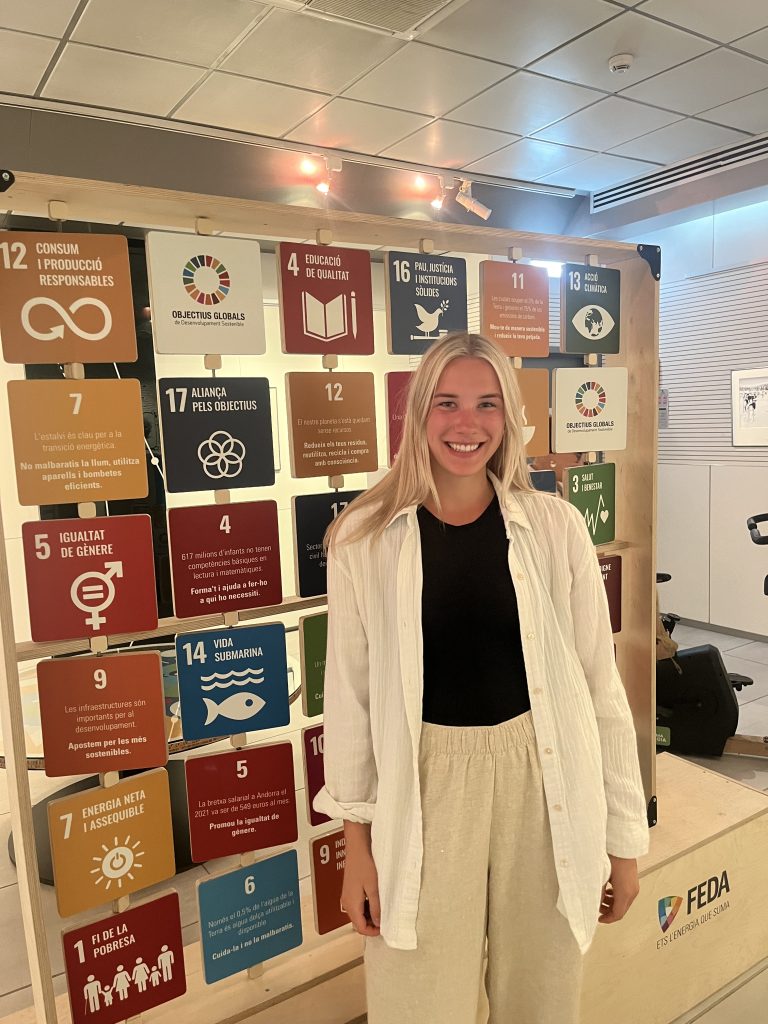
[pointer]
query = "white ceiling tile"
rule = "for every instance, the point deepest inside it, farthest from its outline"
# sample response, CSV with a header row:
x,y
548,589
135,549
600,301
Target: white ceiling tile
x,y
23,59
529,159
118,81
606,124
598,172
654,46
195,35
447,144
716,77
756,43
524,103
246,105
487,28
721,20
426,80
679,141
357,127
47,17
749,113
309,52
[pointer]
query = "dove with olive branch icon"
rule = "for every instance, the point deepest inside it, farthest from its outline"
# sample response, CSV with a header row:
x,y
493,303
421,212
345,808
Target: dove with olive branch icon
x,y
428,322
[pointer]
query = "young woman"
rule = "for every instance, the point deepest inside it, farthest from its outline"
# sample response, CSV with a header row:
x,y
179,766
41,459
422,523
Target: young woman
x,y
478,741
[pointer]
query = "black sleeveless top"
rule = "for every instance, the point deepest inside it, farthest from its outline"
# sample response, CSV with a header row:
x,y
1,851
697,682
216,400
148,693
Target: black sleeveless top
x,y
474,673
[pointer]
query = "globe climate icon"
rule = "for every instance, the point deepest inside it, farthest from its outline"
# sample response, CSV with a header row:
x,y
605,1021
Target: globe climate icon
x,y
591,399
206,280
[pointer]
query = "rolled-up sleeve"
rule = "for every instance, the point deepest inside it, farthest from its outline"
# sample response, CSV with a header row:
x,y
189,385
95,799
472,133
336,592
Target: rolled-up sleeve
x,y
350,770
627,825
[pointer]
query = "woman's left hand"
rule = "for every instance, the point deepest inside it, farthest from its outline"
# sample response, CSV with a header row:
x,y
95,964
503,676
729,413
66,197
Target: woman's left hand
x,y
620,891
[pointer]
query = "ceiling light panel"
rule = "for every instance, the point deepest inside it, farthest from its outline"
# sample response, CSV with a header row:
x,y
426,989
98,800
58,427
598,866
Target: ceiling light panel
x,y
524,103
447,144
243,104
356,127
395,15
517,34
723,20
119,81
23,59
714,78
197,36
426,80
607,124
309,52
655,47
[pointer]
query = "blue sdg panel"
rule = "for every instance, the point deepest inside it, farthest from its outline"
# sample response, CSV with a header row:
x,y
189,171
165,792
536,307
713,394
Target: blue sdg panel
x,y
249,915
232,680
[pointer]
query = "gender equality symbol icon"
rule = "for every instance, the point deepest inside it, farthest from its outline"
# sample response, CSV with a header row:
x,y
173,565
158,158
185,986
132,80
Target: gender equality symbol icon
x,y
95,598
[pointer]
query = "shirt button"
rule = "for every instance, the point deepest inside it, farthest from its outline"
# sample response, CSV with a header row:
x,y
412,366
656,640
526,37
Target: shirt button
x,y
557,807
537,689
564,862
521,576
531,636
547,750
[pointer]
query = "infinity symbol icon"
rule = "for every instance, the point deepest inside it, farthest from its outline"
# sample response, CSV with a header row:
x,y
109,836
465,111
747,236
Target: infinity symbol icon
x,y
58,331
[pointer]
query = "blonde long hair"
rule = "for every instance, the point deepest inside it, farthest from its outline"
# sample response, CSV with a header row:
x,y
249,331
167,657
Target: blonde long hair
x,y
410,480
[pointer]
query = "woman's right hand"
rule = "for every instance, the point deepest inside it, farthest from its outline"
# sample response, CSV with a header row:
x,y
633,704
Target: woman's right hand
x,y
361,881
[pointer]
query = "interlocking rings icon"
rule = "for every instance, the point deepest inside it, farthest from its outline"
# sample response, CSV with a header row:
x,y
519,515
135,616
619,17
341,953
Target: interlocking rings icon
x,y
221,455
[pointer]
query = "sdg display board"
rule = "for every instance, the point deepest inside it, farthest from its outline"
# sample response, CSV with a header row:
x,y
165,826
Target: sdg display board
x,y
224,558
241,800
107,843
249,916
216,433
312,514
314,775
327,859
120,966
332,419
514,307
77,440
65,298
398,382
326,302
313,643
611,569
102,714
426,299
592,489
232,680
206,294
589,409
590,309
87,577
534,391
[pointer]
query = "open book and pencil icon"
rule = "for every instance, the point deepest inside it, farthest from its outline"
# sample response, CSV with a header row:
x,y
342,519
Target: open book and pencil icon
x,y
327,321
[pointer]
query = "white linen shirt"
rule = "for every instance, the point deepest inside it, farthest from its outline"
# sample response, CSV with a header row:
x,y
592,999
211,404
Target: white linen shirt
x,y
584,729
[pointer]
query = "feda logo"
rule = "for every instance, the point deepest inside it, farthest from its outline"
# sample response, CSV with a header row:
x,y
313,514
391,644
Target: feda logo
x,y
708,891
668,908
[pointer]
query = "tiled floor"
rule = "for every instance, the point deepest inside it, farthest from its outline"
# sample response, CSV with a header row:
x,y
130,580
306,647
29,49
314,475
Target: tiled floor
x,y
747,1003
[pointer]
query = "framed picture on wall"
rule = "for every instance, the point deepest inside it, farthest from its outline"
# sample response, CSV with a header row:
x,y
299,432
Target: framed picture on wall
x,y
749,407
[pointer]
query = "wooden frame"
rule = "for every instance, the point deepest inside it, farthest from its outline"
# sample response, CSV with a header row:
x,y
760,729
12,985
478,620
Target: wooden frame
x,y
91,201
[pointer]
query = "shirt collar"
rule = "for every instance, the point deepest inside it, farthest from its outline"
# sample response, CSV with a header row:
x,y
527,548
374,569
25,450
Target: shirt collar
x,y
511,506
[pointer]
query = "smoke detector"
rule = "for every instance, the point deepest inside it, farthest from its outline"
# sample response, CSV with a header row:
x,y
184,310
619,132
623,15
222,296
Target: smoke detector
x,y
621,63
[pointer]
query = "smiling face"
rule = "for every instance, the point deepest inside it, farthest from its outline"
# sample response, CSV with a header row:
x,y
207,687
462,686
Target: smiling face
x,y
465,424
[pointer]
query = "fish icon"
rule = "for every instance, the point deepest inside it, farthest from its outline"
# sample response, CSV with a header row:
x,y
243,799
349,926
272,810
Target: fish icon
x,y
238,706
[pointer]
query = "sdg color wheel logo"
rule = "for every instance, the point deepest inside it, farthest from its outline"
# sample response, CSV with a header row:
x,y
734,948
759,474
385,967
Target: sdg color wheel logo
x,y
590,399
668,908
206,280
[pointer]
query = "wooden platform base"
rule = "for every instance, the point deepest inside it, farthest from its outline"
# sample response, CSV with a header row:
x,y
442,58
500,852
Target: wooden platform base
x,y
708,850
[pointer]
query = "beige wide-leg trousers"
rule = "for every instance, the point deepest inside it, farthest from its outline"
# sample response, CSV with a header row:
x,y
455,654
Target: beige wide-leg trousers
x,y
488,870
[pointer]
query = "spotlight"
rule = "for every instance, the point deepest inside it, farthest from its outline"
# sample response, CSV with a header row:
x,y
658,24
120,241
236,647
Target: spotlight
x,y
419,183
437,203
324,187
465,198
308,166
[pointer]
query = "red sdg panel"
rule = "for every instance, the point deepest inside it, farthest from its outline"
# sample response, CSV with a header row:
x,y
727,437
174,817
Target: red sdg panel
x,y
224,558
239,801
120,966
326,301
89,576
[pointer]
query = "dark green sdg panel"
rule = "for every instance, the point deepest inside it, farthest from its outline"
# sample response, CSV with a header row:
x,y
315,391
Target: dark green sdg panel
x,y
312,514
313,642
216,433
592,489
590,309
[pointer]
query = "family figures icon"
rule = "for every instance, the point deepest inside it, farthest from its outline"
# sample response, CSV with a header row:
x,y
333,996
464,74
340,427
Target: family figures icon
x,y
142,973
